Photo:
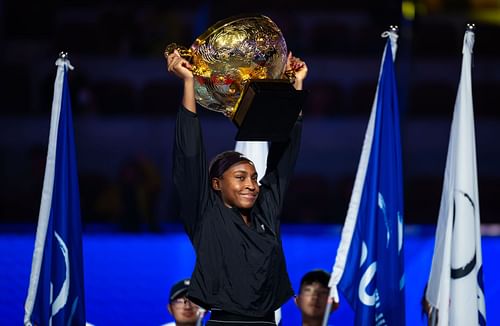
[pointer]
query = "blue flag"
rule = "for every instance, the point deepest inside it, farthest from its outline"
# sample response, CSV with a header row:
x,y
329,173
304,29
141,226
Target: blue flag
x,y
369,268
56,292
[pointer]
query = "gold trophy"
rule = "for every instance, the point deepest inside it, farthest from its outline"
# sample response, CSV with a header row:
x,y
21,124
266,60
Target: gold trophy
x,y
239,68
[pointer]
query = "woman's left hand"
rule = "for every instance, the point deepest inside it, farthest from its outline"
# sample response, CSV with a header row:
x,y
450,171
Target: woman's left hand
x,y
300,69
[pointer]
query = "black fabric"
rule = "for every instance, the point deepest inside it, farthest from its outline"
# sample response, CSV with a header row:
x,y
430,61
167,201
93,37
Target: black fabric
x,y
239,323
239,269
219,315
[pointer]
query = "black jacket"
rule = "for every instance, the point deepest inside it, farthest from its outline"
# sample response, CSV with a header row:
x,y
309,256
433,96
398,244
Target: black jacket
x,y
240,269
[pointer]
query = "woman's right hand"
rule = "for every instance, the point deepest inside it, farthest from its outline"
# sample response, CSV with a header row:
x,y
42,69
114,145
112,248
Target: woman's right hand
x,y
179,66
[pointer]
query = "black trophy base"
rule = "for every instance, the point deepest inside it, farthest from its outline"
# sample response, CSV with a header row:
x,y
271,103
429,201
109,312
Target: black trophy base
x,y
268,110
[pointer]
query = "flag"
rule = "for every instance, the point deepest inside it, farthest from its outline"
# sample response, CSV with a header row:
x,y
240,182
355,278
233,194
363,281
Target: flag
x,y
455,286
56,293
256,151
368,267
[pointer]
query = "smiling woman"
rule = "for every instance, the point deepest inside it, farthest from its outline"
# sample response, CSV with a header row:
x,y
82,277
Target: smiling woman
x,y
232,222
234,177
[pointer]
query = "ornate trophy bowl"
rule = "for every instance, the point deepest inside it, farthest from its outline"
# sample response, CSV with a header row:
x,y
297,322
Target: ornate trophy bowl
x,y
239,68
231,53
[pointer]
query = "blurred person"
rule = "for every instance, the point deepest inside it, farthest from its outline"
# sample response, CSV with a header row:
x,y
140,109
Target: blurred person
x,y
184,312
139,182
313,297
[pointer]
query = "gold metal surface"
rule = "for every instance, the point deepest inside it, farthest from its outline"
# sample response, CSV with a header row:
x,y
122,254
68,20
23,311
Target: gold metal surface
x,y
229,54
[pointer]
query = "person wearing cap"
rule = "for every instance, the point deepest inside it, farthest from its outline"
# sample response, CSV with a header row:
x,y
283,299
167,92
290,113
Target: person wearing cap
x,y
184,312
231,220
313,297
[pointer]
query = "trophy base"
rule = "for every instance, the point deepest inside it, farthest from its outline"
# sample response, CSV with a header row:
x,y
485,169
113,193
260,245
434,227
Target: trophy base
x,y
268,110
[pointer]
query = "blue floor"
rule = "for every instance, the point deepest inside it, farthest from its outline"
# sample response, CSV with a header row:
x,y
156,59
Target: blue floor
x,y
128,277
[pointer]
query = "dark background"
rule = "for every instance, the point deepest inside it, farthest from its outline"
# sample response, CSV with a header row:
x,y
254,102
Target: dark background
x,y
124,101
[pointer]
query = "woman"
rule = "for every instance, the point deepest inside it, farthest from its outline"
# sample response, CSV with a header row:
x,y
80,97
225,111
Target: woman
x,y
232,222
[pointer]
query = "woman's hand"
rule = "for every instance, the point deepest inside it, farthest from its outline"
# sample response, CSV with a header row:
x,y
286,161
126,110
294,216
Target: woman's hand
x,y
300,69
182,69
179,66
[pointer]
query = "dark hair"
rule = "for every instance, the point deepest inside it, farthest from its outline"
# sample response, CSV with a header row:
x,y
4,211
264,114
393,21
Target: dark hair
x,y
224,161
179,289
315,276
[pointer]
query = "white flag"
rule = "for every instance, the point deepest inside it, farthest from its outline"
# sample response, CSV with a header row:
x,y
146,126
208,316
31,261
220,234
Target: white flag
x,y
455,286
256,151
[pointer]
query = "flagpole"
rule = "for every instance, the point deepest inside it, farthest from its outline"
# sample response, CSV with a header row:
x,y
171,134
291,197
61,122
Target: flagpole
x,y
63,55
471,27
201,314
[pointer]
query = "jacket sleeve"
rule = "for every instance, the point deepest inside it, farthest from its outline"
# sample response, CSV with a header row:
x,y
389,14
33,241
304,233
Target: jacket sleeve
x,y
280,165
190,171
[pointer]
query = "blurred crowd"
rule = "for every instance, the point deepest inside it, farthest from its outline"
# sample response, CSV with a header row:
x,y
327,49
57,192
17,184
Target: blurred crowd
x,y
118,46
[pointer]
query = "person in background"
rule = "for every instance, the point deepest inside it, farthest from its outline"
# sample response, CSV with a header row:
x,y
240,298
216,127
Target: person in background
x,y
313,297
185,312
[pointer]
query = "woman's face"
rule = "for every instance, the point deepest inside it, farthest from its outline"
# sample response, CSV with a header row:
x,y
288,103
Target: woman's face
x,y
238,186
